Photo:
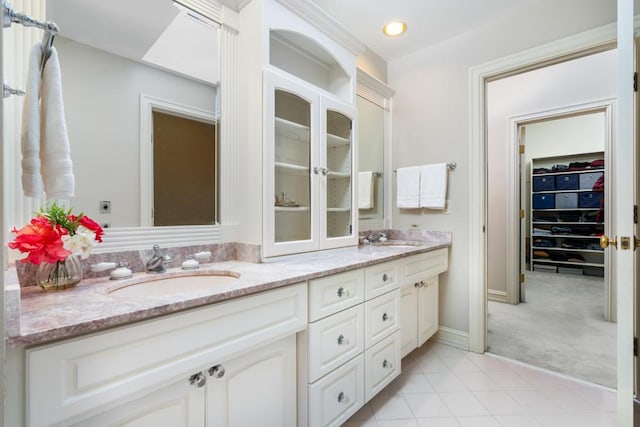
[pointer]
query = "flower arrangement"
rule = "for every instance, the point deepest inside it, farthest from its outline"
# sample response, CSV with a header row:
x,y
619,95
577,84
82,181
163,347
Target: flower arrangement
x,y
54,234
51,238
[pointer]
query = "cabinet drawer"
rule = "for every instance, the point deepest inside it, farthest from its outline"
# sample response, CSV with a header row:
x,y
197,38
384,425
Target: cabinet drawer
x,y
381,317
417,267
381,365
337,396
380,279
334,340
67,379
331,294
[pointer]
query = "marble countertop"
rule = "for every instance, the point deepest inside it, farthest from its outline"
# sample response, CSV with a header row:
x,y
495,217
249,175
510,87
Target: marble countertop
x,y
36,317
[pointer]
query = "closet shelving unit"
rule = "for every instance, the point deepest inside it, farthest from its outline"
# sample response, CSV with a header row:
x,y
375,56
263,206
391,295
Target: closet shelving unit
x,y
563,219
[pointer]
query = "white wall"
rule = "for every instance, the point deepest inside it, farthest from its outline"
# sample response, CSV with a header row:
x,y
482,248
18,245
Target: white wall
x,y
102,106
562,85
431,117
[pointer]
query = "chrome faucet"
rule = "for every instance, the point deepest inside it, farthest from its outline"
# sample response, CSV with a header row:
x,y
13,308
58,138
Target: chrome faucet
x,y
156,263
375,237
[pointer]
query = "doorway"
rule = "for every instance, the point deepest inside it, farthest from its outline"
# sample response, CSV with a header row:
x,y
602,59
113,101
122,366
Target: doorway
x,y
558,94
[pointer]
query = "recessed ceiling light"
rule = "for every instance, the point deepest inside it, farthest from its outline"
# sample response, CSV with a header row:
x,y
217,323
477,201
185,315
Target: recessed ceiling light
x,y
394,28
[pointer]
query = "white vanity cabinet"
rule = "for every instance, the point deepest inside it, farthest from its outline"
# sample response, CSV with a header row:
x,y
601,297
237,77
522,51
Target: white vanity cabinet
x,y
351,349
309,164
203,367
419,297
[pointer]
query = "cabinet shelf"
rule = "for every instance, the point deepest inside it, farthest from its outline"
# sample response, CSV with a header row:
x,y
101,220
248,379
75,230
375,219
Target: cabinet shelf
x,y
336,175
565,236
565,210
542,248
292,131
292,208
292,168
563,223
563,191
569,172
338,210
337,141
551,262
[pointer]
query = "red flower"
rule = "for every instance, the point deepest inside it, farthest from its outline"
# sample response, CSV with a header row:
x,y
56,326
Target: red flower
x,y
41,240
93,226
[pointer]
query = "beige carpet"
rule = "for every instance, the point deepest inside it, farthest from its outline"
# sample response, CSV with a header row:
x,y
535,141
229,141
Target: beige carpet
x,y
560,328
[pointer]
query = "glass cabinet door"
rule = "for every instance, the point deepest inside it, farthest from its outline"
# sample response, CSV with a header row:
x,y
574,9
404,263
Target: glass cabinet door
x,y
292,152
338,171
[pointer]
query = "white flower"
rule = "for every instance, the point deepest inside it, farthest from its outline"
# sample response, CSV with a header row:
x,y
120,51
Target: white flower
x,y
81,242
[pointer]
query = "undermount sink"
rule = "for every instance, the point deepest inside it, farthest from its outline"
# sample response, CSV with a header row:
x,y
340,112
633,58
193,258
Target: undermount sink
x,y
172,284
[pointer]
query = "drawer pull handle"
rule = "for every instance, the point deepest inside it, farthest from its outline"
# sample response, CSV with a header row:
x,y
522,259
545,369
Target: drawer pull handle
x,y
416,285
217,371
386,317
387,364
198,380
422,285
385,277
342,398
342,340
342,292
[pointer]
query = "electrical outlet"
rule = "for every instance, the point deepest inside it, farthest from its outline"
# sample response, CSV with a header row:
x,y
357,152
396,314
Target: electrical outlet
x,y
105,206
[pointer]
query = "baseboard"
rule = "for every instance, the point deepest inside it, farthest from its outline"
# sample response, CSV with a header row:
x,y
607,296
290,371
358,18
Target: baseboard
x,y
498,296
452,337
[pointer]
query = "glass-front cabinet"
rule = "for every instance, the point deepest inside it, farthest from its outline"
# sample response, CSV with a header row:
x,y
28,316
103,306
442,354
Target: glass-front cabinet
x,y
308,167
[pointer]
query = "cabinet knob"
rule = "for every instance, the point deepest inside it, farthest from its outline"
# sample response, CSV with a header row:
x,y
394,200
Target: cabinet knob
x,y
316,170
342,292
422,284
217,371
416,285
386,317
198,380
385,277
342,340
342,398
387,364
325,171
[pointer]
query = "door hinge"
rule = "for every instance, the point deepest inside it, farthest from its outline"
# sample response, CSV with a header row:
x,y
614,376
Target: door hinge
x,y
521,213
635,346
522,149
635,214
635,82
521,277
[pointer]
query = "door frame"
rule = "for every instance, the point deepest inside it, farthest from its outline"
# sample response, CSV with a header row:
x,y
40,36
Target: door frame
x,y
515,243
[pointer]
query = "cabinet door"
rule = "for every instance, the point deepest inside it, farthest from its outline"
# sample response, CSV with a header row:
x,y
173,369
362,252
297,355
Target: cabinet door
x,y
337,183
408,319
427,309
179,404
290,158
255,389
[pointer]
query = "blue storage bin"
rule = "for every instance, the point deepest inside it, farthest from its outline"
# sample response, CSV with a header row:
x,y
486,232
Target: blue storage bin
x,y
566,201
544,183
588,179
567,182
590,199
543,201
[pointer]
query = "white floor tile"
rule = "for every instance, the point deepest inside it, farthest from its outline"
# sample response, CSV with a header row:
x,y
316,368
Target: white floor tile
x,y
577,420
463,404
432,364
508,380
534,402
412,383
390,407
427,405
488,363
518,421
438,422
499,403
446,383
372,423
484,421
364,414
398,423
460,364
477,381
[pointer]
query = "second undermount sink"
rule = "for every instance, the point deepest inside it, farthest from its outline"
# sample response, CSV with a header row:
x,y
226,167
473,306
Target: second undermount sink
x,y
171,284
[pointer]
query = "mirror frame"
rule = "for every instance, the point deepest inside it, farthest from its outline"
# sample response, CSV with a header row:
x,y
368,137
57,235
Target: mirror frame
x,y
380,94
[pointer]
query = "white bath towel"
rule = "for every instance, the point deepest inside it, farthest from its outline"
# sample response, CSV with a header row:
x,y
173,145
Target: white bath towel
x,y
433,186
365,190
408,187
55,151
30,139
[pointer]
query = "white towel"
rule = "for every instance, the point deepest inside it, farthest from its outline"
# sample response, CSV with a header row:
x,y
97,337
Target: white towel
x,y
433,186
30,139
55,152
408,187
365,190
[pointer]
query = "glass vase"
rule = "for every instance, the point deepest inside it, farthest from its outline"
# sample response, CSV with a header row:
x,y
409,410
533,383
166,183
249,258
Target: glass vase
x,y
59,275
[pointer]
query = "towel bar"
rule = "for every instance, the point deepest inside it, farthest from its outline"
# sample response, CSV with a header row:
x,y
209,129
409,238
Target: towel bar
x,y
450,165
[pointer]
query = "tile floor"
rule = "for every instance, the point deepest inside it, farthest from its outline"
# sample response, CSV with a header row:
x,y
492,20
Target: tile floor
x,y
444,386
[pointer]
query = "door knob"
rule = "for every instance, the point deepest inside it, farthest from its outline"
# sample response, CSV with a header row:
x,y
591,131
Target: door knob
x,y
605,242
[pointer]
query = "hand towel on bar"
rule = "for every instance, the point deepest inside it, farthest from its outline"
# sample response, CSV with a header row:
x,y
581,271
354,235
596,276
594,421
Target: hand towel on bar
x,y
55,152
30,138
365,190
433,186
408,187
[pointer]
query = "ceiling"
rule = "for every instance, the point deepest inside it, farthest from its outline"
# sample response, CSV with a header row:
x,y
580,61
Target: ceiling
x,y
428,21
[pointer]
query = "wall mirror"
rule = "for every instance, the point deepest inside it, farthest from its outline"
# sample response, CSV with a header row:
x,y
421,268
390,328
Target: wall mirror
x,y
374,152
113,56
